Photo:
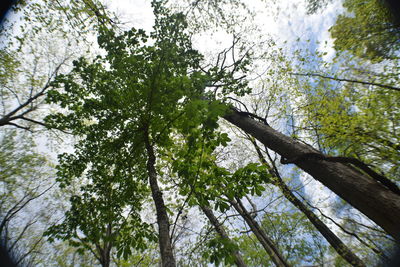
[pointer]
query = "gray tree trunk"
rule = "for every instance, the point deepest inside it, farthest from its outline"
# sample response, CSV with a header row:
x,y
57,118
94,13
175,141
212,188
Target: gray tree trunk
x,y
167,256
262,237
330,236
370,197
221,231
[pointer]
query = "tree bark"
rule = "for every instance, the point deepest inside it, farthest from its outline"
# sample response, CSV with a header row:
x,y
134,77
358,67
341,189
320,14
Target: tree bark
x,y
262,237
167,256
104,257
222,233
370,197
105,250
332,239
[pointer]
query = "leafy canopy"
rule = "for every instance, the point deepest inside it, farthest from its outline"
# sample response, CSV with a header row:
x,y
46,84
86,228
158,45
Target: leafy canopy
x,y
367,31
143,87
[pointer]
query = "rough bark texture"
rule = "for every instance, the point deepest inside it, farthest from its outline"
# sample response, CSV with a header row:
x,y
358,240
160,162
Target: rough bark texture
x,y
332,239
222,233
262,237
370,197
167,256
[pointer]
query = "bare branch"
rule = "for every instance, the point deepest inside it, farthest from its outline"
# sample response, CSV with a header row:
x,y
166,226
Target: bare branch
x,y
347,80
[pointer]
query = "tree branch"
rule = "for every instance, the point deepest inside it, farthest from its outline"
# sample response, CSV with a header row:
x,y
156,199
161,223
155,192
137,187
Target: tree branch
x,y
347,80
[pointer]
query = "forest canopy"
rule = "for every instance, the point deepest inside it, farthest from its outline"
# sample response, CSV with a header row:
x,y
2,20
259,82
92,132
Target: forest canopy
x,y
189,133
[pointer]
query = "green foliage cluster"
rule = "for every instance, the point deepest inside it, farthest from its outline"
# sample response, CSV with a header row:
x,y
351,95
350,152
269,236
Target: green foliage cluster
x,y
25,176
106,210
15,153
368,30
8,66
220,251
194,162
294,236
359,122
347,118
112,104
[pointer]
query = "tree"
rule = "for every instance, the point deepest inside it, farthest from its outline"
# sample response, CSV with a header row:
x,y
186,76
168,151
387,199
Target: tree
x,y
294,236
223,235
203,181
329,235
127,108
347,119
346,181
128,102
106,214
353,119
370,30
376,201
31,55
269,246
24,182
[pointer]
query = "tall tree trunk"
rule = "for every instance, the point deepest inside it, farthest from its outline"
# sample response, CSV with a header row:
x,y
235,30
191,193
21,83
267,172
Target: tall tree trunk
x,y
262,237
167,256
370,197
107,247
222,233
332,239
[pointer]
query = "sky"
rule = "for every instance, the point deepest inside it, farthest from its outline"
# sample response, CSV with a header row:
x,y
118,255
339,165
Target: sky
x,y
286,19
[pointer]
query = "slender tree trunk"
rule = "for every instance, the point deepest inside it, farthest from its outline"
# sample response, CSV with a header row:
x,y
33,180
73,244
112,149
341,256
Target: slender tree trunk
x,y
370,197
262,237
222,233
332,239
167,256
105,250
104,256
